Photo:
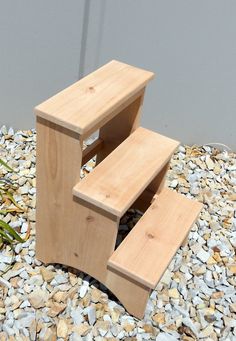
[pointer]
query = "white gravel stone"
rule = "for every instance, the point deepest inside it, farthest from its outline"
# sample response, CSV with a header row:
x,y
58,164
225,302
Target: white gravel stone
x,y
91,312
5,259
24,227
174,183
5,283
203,255
60,279
83,290
77,316
165,337
197,275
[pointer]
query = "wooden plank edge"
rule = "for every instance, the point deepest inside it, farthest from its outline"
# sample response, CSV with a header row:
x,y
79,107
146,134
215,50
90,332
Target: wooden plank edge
x,y
78,194
59,122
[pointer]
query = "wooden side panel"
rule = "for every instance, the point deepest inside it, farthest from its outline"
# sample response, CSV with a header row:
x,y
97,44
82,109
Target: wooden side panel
x,y
93,240
59,154
68,231
120,127
154,188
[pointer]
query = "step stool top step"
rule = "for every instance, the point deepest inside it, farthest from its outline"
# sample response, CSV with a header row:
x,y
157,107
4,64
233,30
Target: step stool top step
x,y
93,99
120,178
148,249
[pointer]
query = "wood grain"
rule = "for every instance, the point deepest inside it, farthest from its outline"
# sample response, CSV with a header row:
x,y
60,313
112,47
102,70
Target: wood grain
x,y
118,181
93,99
132,295
147,250
68,230
128,120
59,155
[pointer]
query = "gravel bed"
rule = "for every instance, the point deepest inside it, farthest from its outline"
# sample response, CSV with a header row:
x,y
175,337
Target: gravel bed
x,y
195,299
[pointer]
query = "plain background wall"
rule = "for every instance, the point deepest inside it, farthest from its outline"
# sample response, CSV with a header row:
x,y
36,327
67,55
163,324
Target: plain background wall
x,y
190,45
40,45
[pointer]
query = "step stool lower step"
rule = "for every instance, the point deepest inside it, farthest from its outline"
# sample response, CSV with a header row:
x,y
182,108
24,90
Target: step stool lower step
x,y
148,249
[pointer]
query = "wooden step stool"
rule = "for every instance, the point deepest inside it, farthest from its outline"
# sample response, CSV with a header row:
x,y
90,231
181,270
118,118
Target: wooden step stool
x,y
78,220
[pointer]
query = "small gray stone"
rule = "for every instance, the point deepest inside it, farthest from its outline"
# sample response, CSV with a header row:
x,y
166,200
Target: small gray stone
x,y
165,337
60,279
77,316
83,289
203,255
91,312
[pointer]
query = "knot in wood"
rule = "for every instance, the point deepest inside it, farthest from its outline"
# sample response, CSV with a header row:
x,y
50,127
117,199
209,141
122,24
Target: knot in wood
x,y
150,235
91,89
90,218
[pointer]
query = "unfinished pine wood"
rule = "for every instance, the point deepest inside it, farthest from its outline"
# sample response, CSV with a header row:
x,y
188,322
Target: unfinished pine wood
x,y
92,241
80,230
147,250
127,120
68,230
118,181
95,98
132,295
90,151
149,194
59,155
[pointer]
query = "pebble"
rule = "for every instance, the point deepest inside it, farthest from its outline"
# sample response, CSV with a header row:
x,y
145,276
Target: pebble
x,y
206,332
62,329
24,228
203,255
47,275
24,190
5,259
174,183
60,279
38,298
77,316
173,293
195,297
56,309
5,283
91,312
165,337
83,289
82,329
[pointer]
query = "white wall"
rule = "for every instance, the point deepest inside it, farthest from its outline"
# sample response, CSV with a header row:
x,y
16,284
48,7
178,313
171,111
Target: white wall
x,y
190,45
40,48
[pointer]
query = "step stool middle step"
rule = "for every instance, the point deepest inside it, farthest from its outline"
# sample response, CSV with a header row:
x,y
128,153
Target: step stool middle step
x,y
120,178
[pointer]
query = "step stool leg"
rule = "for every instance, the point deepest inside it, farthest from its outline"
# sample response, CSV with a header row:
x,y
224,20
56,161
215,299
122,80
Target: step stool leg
x,y
67,230
93,240
59,153
121,126
132,295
